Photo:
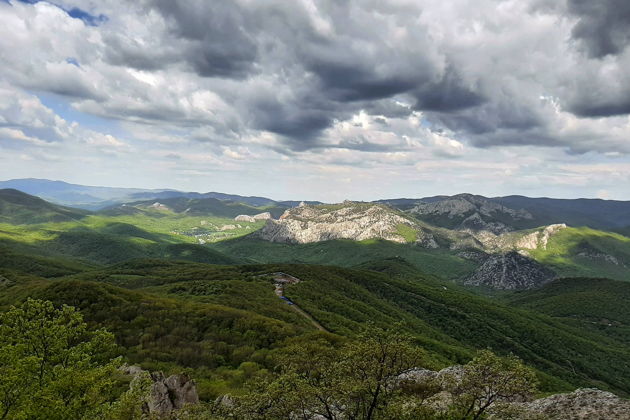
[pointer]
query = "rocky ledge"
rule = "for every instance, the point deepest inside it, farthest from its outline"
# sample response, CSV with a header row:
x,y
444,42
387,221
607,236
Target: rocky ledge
x,y
581,404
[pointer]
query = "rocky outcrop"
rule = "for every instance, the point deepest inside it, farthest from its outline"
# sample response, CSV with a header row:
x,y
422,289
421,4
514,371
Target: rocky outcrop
x,y
476,223
246,218
582,404
510,271
165,394
467,212
262,216
349,220
169,394
540,238
443,377
159,206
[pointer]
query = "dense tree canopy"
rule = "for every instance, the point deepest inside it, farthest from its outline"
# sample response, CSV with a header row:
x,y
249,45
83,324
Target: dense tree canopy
x,y
52,366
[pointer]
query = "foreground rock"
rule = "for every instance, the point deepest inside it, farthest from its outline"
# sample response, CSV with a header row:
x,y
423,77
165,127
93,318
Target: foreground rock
x,y
166,394
169,394
582,404
511,271
349,220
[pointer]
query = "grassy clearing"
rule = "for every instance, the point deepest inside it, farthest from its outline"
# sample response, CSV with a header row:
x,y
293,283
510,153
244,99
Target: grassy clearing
x,y
407,232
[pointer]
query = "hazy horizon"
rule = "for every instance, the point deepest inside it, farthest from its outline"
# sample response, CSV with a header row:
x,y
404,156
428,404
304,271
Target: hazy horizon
x,y
298,198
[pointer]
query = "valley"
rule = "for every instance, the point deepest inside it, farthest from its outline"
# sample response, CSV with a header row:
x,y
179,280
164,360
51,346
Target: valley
x,y
221,288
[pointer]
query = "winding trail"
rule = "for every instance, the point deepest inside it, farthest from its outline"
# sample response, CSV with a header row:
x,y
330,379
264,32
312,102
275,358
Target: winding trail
x,y
282,279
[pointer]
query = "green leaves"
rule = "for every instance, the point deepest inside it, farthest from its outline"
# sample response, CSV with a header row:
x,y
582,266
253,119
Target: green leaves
x,y
489,380
52,366
352,380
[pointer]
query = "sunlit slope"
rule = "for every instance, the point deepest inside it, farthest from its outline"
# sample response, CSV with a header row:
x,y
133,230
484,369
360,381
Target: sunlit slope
x,y
347,253
586,252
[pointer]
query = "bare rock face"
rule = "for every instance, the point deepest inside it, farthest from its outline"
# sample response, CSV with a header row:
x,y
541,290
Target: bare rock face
x,y
511,271
262,216
470,213
246,218
356,221
443,377
540,238
169,394
581,404
159,206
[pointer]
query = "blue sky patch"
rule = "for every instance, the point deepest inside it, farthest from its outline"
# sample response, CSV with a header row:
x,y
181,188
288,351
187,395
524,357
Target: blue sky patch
x,y
76,13
73,61
87,18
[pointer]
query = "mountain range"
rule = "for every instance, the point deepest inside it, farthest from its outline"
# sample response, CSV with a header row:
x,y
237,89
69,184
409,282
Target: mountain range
x,y
517,212
187,281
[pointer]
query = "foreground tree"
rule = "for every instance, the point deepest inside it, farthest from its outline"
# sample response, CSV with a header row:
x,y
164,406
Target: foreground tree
x,y
353,381
490,381
51,365
372,366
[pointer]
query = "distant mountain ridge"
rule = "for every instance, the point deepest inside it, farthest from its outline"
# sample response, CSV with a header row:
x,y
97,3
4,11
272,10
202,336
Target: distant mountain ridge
x,y
17,207
97,198
501,214
461,211
201,206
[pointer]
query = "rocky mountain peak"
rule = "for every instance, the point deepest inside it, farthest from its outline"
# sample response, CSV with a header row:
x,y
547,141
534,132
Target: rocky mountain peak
x,y
471,213
348,220
510,271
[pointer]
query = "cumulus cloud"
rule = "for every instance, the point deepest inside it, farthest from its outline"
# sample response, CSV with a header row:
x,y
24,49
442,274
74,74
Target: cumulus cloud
x,y
353,83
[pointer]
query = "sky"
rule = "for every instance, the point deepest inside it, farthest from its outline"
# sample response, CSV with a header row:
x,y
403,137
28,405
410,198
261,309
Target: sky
x,y
320,99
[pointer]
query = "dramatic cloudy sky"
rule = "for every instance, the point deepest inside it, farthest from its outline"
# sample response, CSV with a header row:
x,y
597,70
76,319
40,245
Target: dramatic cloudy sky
x,y
320,99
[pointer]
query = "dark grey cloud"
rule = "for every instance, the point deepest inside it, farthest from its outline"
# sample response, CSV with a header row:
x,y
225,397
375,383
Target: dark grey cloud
x,y
346,82
216,33
450,93
603,108
300,120
211,39
501,114
603,27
